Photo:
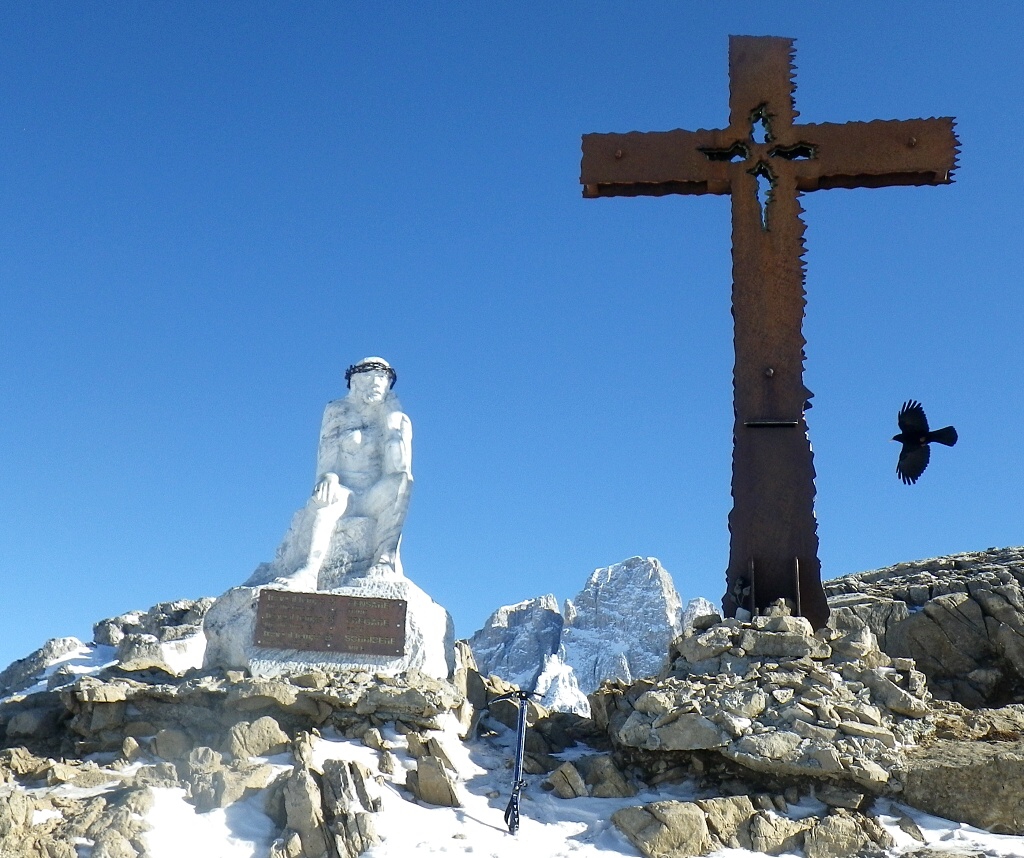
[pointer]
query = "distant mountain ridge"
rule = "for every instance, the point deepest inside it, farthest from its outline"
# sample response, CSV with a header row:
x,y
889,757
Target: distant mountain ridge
x,y
619,626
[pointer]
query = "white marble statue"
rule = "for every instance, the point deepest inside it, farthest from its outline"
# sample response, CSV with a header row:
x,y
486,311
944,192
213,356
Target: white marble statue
x,y
352,523
344,541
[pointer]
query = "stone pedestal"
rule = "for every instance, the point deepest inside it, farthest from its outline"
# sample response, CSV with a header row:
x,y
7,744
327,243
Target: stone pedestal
x,y
429,633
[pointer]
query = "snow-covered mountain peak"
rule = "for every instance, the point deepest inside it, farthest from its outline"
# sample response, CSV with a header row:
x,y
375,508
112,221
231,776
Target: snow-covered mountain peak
x,y
516,640
619,626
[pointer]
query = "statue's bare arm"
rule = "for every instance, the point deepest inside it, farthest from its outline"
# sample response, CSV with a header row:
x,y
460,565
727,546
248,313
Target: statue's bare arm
x,y
329,489
398,445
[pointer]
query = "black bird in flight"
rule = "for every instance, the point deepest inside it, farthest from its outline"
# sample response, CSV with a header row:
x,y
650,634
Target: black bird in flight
x,y
915,437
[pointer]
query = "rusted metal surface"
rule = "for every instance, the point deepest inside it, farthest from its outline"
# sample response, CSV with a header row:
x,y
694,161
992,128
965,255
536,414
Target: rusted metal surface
x,y
772,522
322,622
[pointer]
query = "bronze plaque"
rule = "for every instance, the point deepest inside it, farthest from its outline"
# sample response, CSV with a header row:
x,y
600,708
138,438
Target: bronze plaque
x,y
322,622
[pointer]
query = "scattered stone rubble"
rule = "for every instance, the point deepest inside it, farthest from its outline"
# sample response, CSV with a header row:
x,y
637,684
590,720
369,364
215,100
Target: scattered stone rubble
x,y
168,637
773,710
210,733
774,697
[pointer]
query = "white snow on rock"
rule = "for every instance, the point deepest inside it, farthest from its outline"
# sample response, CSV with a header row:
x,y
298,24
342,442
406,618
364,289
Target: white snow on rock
x,y
618,627
176,828
552,827
559,689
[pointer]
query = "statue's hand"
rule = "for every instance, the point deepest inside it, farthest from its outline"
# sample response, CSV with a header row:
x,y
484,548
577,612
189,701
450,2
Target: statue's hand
x,y
328,489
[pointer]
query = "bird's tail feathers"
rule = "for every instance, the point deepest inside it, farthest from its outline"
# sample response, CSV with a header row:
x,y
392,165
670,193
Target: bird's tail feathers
x,y
945,436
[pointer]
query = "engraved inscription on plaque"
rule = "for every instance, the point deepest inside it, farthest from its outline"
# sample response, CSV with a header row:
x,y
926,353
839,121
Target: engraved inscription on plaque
x,y
322,622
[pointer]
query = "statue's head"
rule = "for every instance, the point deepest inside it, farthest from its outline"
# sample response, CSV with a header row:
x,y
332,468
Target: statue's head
x,y
371,379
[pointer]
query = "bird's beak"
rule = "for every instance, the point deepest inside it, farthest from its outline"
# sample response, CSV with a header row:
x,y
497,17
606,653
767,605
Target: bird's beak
x,y
895,437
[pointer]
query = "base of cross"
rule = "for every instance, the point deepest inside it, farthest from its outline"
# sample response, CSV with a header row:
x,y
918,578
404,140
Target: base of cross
x,y
760,584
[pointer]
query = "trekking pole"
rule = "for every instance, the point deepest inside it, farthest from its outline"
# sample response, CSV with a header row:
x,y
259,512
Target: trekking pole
x,y
512,811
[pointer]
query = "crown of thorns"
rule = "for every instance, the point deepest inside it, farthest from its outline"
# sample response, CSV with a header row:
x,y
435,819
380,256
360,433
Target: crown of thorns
x,y
370,366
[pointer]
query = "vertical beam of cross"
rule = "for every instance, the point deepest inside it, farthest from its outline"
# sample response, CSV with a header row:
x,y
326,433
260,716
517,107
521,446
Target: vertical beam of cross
x,y
764,161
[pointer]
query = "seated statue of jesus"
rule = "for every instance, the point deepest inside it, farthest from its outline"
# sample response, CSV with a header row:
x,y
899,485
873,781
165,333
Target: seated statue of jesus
x,y
352,523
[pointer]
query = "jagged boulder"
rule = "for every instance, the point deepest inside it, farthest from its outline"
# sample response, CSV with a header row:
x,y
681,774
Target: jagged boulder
x,y
24,672
304,812
256,738
663,828
961,618
684,828
433,783
938,774
350,798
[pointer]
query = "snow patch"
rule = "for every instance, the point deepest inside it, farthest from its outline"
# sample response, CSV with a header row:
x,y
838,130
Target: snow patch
x,y
241,830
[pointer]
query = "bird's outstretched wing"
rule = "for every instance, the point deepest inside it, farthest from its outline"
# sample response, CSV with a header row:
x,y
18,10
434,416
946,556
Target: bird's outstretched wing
x,y
912,462
912,420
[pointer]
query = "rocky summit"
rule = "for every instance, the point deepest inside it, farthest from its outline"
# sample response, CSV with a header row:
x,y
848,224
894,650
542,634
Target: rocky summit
x,y
961,618
763,736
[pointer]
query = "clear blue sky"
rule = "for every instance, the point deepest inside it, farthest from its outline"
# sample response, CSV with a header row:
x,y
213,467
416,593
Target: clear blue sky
x,y
207,211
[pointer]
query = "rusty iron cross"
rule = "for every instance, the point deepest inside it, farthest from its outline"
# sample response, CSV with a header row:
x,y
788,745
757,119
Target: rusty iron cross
x,y
765,161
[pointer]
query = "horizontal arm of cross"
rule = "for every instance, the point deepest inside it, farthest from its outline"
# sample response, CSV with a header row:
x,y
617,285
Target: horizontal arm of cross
x,y
877,154
652,163
848,155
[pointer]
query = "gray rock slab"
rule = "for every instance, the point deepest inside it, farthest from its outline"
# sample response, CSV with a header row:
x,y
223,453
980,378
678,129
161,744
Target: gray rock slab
x,y
665,828
974,782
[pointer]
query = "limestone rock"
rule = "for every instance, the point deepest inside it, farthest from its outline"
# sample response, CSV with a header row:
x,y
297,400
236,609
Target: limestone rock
x,y
774,834
515,640
774,696
257,738
111,843
937,774
603,638
171,744
302,801
288,846
165,621
961,618
224,785
943,853
603,778
567,782
23,763
350,797
37,722
15,813
836,836
688,732
22,673
836,795
433,784
728,819
564,657
158,775
665,828
144,651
